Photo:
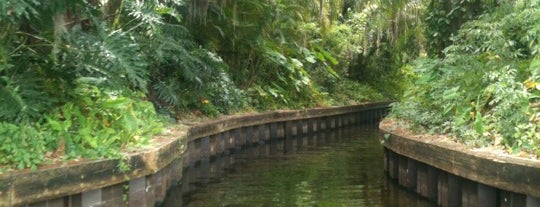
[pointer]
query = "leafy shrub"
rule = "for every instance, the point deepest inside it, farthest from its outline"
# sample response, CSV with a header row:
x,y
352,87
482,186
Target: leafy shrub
x,y
348,92
81,85
98,122
445,17
386,37
21,145
484,89
204,86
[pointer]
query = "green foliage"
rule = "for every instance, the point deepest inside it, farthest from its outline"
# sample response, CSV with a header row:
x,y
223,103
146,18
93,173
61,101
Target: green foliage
x,y
348,92
23,97
97,122
273,48
11,10
389,36
182,75
484,90
202,83
21,145
77,78
69,89
108,56
444,18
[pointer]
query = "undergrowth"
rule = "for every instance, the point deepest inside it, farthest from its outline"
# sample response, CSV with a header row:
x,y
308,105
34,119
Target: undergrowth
x,y
486,89
90,79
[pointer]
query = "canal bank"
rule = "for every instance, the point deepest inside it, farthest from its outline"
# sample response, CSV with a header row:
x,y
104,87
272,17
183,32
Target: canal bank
x,y
451,174
342,167
155,169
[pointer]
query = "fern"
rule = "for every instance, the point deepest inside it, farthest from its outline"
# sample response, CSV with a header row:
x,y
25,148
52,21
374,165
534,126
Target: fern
x,y
24,96
13,9
111,55
181,73
169,93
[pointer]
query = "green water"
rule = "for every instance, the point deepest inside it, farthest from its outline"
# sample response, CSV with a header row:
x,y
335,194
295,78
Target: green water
x,y
339,168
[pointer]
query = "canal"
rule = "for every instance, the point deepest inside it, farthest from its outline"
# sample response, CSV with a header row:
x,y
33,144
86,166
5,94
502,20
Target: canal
x,y
343,167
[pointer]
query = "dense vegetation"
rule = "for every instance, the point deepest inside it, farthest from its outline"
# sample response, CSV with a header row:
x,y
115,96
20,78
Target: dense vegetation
x,y
483,86
85,78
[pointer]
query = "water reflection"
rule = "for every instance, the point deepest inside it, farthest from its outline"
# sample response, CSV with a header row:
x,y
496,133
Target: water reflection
x,y
342,167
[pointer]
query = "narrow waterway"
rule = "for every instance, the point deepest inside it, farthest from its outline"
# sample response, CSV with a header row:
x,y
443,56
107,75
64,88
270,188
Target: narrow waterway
x,y
343,167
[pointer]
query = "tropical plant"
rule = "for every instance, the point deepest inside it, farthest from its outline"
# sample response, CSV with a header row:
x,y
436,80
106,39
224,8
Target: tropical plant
x,y
444,19
390,37
69,84
484,89
79,78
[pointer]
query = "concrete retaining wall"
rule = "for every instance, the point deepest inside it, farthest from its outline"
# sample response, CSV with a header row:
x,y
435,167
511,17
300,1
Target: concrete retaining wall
x,y
454,176
154,170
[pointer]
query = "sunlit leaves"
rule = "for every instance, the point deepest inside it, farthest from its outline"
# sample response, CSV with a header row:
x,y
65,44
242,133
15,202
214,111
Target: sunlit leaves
x,y
485,88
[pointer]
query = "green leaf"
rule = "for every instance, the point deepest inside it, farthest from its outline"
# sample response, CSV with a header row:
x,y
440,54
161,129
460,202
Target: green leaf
x,y
479,123
451,93
297,63
67,111
332,71
130,122
535,66
320,56
120,102
387,136
273,92
21,165
92,142
55,125
311,59
329,57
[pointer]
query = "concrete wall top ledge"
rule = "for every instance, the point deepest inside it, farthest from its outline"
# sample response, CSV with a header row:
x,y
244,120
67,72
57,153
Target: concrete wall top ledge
x,y
25,187
232,122
505,172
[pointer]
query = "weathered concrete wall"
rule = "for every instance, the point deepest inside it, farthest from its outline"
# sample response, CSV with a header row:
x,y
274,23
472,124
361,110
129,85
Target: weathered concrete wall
x,y
452,175
154,170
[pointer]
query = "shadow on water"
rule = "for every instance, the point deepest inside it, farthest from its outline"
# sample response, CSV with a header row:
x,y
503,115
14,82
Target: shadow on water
x,y
342,167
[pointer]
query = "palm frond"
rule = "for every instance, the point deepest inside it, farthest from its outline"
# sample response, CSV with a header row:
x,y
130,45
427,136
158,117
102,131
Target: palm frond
x,y
112,55
15,9
169,93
